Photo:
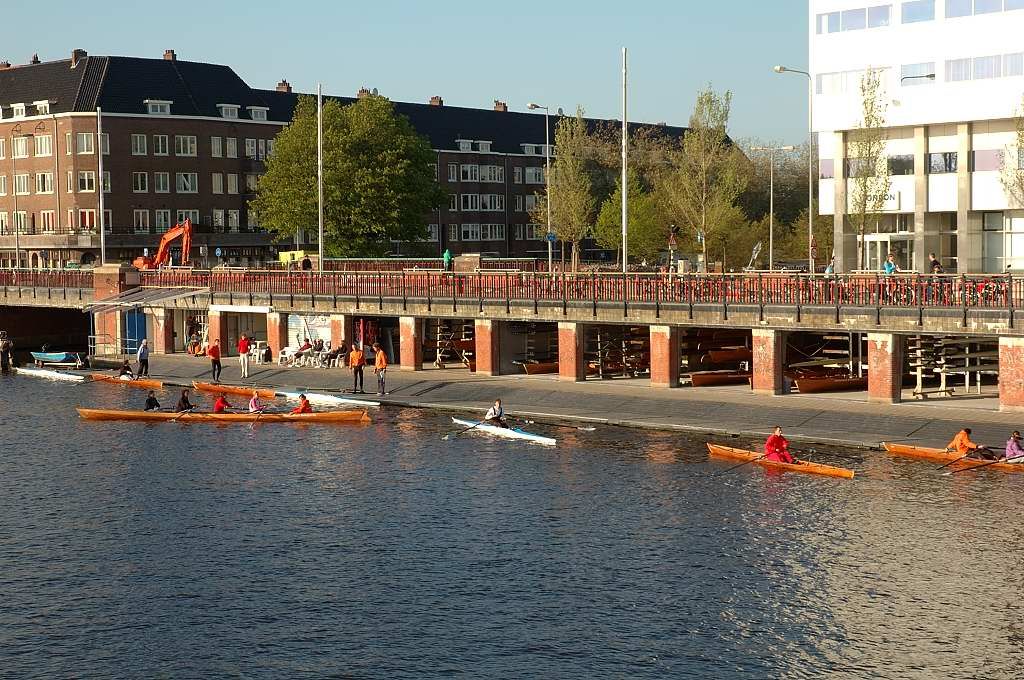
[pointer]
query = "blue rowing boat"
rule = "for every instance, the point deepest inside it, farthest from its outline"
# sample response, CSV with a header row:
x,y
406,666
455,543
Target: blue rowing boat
x,y
56,357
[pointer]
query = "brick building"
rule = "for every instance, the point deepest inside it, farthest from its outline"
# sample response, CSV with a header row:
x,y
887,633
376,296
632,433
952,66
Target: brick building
x,y
188,139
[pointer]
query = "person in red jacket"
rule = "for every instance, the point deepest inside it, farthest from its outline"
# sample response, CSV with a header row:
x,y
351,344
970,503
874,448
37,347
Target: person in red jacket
x,y
304,405
243,355
213,352
777,447
221,405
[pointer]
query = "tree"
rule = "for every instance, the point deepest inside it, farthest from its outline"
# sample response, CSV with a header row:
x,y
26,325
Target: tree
x,y
648,232
569,186
869,165
1012,171
378,181
707,173
791,243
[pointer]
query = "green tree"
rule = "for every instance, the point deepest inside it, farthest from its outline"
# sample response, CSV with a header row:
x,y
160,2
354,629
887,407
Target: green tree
x,y
791,242
1012,169
648,232
378,181
869,165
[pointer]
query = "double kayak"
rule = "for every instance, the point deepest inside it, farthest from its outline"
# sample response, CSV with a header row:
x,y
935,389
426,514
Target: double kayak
x,y
49,374
944,456
196,417
240,390
799,466
140,383
507,432
321,399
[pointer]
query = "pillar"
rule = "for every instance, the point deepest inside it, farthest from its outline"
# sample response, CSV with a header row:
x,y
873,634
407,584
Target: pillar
x,y
277,332
885,368
342,330
487,346
163,331
769,348
411,343
571,365
1011,374
109,281
216,329
665,356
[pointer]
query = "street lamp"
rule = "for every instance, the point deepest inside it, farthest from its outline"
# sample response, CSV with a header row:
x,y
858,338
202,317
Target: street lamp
x,y
810,161
928,76
17,134
771,197
547,179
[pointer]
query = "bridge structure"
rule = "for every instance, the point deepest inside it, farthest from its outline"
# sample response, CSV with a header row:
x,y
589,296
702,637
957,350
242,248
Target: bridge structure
x,y
891,317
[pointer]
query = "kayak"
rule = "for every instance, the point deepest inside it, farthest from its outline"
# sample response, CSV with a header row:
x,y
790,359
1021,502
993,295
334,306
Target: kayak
x,y
321,399
508,432
240,390
140,383
944,456
49,374
798,466
206,417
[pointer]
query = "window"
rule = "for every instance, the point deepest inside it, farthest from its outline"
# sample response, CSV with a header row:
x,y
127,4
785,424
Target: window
x,y
828,23
3,185
47,221
160,145
157,107
251,180
1013,64
250,148
68,149
958,8
71,181
233,220
216,147
854,19
433,233
42,108
44,145
186,182
529,232
84,143
105,143
987,6
140,182
3,148
228,110
3,222
44,183
230,147
218,218
232,183
217,183
140,221
492,202
517,175
188,215
531,202
184,145
534,175
939,163
519,203
20,221
470,173
470,232
86,180
453,172
257,113
988,67
21,185
251,219
492,173
453,202
108,221
901,165
917,10
453,232
492,232
826,168
917,74
986,160
162,182
261,149
483,147
19,147
162,220
958,70
106,181
469,202
18,110
87,220
138,145
270,152
1014,4
465,144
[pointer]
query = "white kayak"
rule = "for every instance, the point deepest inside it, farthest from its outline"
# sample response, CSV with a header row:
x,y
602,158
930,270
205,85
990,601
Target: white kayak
x,y
321,399
508,432
49,375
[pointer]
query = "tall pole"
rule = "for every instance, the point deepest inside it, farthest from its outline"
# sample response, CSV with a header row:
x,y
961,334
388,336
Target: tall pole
x,y
625,160
547,187
320,174
810,172
14,218
771,209
102,221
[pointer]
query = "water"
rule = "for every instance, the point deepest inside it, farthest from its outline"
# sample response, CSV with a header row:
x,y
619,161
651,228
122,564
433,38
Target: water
x,y
197,551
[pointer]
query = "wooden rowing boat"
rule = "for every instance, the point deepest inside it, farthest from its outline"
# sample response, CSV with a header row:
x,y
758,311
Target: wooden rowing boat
x,y
140,383
944,456
710,378
194,417
240,390
809,385
799,466
729,354
539,368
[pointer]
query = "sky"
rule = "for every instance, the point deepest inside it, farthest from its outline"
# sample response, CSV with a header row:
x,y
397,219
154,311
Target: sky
x,y
560,53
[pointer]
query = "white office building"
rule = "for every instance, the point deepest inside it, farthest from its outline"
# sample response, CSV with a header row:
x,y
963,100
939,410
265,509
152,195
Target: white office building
x,y
952,72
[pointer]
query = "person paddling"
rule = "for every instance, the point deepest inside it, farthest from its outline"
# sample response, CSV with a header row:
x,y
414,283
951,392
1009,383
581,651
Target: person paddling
x,y
151,403
304,405
221,405
255,405
777,447
963,445
183,403
1014,450
126,371
496,415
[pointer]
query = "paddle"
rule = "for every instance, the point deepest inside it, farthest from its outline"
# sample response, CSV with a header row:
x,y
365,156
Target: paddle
x,y
175,418
746,462
582,428
452,436
955,460
973,467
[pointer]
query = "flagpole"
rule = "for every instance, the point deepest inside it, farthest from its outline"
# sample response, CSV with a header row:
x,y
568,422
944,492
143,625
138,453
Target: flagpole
x,y
320,173
625,160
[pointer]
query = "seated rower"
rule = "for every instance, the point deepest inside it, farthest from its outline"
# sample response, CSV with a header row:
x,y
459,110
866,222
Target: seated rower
x,y
304,405
221,405
255,405
126,371
963,445
496,415
183,403
777,447
1014,450
151,403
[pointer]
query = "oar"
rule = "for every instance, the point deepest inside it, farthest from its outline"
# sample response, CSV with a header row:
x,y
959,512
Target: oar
x,y
956,460
175,418
259,414
973,467
452,436
746,462
582,428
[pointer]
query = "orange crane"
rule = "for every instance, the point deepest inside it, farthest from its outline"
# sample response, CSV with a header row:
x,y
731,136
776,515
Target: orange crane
x,y
163,252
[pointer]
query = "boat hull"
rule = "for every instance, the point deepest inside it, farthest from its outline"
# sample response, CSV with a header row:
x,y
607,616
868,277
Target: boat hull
x,y
943,456
800,466
139,383
240,390
506,432
712,378
56,357
541,368
49,374
193,417
827,384
327,399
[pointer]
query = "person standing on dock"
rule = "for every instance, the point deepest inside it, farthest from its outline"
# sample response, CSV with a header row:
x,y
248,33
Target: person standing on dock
x,y
6,351
380,367
243,355
777,447
496,415
151,403
142,356
447,259
356,360
213,351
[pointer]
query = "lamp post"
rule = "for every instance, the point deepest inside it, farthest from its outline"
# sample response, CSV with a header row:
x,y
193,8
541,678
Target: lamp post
x,y
927,76
547,180
771,197
16,134
810,161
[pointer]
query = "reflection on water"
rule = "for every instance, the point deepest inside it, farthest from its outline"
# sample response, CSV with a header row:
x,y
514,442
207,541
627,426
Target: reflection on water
x,y
175,550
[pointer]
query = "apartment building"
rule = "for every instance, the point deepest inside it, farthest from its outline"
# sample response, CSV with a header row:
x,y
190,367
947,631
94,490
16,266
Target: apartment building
x,y
952,75
179,139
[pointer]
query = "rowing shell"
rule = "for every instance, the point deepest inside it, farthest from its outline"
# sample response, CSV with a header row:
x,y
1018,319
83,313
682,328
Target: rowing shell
x,y
140,383
240,390
193,417
327,399
507,432
944,456
798,466
49,375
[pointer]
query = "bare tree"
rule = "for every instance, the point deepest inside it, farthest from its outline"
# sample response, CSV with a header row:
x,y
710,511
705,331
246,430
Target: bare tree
x,y
868,162
1012,172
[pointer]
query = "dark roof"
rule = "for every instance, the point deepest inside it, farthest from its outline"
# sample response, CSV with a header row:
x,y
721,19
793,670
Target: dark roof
x,y
68,89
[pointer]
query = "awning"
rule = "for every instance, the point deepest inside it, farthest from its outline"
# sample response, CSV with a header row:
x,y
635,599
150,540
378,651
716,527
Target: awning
x,y
242,309
144,296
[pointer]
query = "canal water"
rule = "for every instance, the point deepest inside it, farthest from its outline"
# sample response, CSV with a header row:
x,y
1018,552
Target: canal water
x,y
197,551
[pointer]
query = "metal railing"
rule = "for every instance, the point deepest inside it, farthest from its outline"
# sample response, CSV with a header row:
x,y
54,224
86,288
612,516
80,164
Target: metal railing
x,y
47,278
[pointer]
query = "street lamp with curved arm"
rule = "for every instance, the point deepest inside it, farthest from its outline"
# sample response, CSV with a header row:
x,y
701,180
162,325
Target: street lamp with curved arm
x,y
810,160
547,179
